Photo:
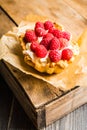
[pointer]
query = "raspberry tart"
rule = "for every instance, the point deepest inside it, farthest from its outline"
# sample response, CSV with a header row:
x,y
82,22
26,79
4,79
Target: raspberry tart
x,y
47,47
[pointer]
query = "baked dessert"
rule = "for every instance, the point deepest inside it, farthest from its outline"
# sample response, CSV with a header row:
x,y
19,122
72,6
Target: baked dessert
x,y
47,47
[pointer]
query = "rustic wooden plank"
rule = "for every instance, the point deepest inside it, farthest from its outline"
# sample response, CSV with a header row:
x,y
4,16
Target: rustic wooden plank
x,y
5,23
61,106
38,91
71,19
76,120
36,116
66,104
33,98
79,5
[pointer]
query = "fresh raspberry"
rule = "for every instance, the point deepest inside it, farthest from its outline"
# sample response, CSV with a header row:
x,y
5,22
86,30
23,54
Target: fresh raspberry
x,y
45,42
55,55
66,35
54,44
51,30
48,25
67,54
40,51
63,43
30,36
49,36
40,32
34,45
57,33
39,25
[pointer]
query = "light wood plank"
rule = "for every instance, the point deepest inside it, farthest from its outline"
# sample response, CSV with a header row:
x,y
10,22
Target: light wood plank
x,y
5,23
79,5
66,104
76,120
58,10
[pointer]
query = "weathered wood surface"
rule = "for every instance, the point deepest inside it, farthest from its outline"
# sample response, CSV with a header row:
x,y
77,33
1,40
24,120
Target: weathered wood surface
x,y
67,13
74,19
5,23
46,104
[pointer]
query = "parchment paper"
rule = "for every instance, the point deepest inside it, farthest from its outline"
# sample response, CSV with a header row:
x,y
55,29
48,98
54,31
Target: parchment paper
x,y
74,75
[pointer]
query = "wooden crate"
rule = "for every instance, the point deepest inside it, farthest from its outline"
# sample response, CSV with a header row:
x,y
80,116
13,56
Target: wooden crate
x,y
39,102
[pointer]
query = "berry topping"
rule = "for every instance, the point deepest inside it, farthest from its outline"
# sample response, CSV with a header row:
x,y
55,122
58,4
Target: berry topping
x,y
63,42
46,42
51,30
30,36
49,35
40,51
34,45
54,44
57,33
48,25
67,54
66,35
40,32
39,25
55,55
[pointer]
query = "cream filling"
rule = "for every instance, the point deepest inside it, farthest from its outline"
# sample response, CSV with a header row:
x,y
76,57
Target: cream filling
x,y
44,60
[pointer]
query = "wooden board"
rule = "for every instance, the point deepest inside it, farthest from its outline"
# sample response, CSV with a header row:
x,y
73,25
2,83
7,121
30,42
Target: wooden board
x,y
6,25
42,106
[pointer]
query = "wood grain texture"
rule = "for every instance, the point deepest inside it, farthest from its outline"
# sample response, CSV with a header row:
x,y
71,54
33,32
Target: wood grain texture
x,y
59,10
66,104
73,121
5,23
79,5
44,114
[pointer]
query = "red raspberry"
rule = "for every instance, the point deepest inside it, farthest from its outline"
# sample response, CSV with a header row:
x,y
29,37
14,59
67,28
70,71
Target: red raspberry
x,y
41,51
49,36
57,33
54,44
66,35
30,36
63,43
51,30
55,55
67,54
46,42
40,32
48,25
34,45
39,25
